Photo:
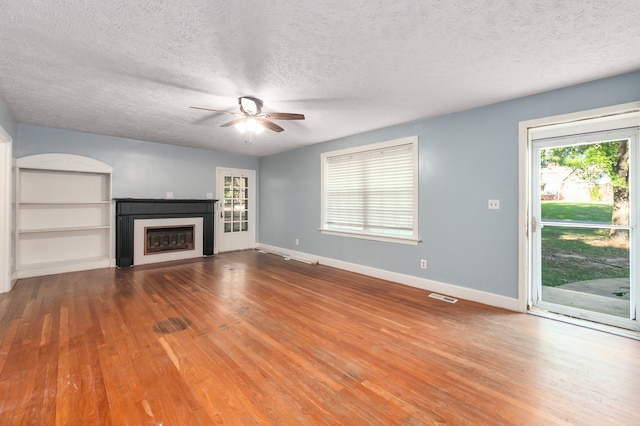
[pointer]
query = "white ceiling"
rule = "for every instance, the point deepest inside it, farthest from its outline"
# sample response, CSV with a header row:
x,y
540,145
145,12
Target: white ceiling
x,y
132,68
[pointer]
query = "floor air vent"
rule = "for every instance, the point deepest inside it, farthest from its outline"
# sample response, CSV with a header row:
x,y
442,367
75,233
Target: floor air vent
x,y
443,298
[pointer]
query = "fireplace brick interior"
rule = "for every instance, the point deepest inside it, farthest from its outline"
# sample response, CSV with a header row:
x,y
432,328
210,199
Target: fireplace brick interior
x,y
168,238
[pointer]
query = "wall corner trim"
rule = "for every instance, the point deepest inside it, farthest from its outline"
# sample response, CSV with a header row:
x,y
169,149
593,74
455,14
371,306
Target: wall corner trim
x,y
6,211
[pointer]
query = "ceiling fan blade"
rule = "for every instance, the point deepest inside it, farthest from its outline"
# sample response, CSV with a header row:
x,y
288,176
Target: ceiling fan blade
x,y
214,110
233,122
284,116
269,124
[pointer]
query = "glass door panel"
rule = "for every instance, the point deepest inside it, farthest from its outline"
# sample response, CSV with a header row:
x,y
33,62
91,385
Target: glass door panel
x,y
584,268
583,233
236,217
236,204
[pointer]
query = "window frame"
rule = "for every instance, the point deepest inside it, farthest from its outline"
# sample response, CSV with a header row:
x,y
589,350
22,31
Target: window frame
x,y
411,240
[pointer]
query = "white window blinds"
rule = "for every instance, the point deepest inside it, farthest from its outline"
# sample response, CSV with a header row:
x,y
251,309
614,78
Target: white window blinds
x,y
372,190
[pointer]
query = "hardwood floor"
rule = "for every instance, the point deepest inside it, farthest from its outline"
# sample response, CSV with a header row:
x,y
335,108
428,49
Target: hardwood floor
x,y
266,341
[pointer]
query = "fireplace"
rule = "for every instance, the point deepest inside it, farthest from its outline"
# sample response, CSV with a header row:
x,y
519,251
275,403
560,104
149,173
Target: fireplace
x,y
165,239
170,221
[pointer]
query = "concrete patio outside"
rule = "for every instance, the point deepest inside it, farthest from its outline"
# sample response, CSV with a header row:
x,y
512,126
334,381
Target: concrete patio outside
x,y
607,296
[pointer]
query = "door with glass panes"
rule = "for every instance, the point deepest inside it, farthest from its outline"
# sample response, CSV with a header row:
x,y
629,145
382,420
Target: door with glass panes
x,y
236,209
584,219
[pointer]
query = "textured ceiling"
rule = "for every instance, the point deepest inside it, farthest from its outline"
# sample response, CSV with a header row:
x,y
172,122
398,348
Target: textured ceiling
x,y
132,68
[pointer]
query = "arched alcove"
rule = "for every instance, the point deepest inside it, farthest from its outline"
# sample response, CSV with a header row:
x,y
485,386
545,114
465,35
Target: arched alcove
x,y
64,214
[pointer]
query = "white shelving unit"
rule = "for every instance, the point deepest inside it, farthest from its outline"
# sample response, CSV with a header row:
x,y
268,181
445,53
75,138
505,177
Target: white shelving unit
x,y
64,214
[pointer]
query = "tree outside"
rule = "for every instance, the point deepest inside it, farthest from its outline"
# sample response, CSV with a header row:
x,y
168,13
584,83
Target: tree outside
x,y
591,162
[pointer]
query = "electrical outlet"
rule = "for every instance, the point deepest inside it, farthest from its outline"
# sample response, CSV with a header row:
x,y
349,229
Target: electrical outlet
x,y
210,195
494,204
423,263
297,242
169,195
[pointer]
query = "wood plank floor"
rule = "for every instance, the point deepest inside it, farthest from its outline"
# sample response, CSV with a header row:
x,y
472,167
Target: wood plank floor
x,y
266,341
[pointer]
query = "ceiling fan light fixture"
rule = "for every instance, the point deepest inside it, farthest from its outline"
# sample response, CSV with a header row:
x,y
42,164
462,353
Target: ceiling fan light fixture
x,y
250,125
241,127
254,126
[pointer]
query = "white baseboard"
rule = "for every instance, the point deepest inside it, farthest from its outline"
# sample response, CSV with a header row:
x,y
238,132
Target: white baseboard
x,y
9,283
483,297
62,268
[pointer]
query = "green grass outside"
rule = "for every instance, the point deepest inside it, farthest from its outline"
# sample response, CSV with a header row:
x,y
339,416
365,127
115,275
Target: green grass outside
x,y
582,212
575,254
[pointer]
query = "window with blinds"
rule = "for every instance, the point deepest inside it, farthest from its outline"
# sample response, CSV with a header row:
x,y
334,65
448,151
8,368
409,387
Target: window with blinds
x,y
372,191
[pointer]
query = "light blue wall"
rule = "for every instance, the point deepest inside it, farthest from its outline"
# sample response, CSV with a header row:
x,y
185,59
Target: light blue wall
x,y
140,169
6,121
466,159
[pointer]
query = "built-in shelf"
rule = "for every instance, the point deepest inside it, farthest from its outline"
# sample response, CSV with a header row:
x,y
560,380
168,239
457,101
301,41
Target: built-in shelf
x,y
86,260
76,229
63,203
64,214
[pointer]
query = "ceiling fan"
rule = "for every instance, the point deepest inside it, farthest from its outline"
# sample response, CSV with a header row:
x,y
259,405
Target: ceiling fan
x,y
252,119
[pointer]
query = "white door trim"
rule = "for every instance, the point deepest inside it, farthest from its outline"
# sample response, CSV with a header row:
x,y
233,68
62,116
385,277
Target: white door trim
x,y
6,193
525,148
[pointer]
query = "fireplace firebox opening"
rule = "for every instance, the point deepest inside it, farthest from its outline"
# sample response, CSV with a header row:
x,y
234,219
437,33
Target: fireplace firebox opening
x,y
163,239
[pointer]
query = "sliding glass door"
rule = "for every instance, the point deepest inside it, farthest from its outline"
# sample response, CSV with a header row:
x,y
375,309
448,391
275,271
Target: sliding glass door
x,y
584,216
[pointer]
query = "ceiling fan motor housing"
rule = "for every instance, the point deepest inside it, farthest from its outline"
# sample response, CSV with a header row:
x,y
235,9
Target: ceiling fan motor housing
x,y
250,105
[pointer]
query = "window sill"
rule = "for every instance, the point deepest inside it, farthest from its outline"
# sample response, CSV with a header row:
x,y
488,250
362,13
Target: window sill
x,y
364,236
